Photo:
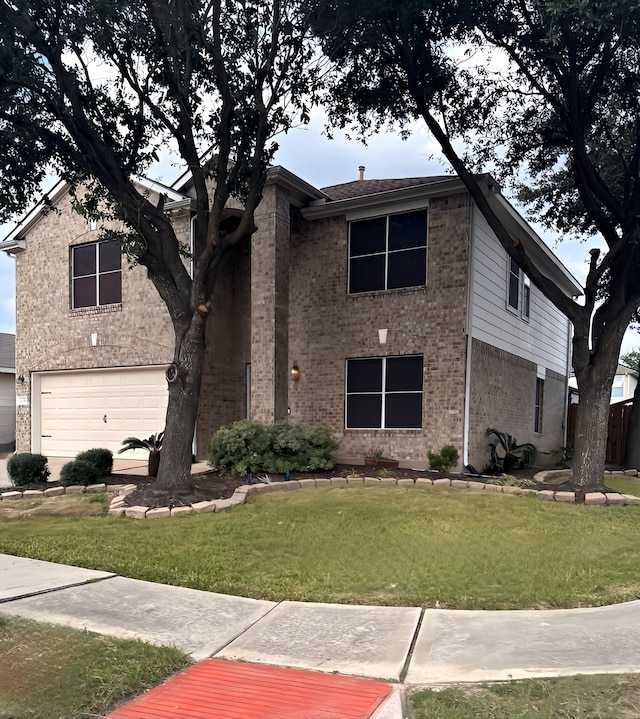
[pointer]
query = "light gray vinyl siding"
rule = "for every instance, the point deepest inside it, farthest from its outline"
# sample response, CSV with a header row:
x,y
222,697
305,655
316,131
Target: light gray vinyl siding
x,y
542,339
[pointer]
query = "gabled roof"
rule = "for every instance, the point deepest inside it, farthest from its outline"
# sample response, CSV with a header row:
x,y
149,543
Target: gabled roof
x,y
7,353
14,241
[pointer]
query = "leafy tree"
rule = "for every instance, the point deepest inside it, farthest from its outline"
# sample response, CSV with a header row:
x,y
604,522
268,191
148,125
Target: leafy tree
x,y
542,89
94,89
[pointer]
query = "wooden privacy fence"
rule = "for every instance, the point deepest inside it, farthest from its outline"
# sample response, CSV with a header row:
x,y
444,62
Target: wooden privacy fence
x,y
618,428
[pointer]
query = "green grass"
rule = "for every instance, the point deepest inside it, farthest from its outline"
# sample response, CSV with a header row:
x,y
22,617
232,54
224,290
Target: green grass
x,y
581,697
367,545
622,484
57,672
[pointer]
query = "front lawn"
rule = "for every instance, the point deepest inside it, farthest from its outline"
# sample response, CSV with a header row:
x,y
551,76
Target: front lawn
x,y
580,697
52,671
367,545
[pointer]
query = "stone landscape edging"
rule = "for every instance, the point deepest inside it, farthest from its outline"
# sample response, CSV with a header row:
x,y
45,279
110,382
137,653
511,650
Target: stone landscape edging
x,y
241,493
117,505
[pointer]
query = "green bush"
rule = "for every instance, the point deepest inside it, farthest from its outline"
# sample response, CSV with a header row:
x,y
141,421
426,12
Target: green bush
x,y
78,472
101,459
27,468
248,446
443,460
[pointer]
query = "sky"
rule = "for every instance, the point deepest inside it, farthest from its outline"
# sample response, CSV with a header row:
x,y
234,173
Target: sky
x,y
308,153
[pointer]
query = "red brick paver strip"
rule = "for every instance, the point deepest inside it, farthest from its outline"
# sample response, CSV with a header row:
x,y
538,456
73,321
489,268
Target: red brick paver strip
x,y
219,689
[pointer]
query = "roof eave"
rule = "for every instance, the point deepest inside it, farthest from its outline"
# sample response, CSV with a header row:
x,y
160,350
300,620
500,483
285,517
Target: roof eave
x,y
332,208
538,250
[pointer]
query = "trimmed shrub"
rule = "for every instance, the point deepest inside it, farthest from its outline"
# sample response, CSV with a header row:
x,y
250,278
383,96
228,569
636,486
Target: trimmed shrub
x,y
26,468
248,446
78,472
239,447
443,460
101,459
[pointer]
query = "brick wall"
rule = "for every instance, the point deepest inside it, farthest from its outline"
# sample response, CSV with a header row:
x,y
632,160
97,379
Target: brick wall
x,y
228,347
502,396
327,326
51,336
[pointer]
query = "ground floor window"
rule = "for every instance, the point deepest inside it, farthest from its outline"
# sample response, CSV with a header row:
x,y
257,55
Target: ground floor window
x,y
537,417
384,392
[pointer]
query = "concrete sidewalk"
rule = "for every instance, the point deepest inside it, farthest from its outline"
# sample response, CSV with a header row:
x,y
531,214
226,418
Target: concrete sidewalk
x,y
434,647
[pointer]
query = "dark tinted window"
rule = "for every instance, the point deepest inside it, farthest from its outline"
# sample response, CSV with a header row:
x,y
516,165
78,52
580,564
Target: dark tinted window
x,y
84,260
368,236
96,277
404,373
408,230
514,283
387,253
396,406
365,375
367,274
407,269
110,256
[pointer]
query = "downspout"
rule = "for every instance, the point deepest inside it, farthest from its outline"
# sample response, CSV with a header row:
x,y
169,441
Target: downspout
x,y
565,428
469,324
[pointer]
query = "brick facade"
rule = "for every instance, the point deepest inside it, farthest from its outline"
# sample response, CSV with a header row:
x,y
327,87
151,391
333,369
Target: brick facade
x,y
282,297
50,335
328,326
502,396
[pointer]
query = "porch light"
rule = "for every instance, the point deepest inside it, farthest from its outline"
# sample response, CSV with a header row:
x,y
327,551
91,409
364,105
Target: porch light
x,y
295,372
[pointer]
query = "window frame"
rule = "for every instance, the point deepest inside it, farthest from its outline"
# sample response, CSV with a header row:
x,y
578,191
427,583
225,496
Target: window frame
x,y
97,274
383,392
538,406
387,253
522,308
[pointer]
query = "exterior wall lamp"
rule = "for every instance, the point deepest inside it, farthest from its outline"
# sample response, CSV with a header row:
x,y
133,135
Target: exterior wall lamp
x,y
20,379
295,372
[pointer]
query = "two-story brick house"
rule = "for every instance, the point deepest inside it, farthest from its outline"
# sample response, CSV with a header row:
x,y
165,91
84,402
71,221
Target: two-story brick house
x,y
406,323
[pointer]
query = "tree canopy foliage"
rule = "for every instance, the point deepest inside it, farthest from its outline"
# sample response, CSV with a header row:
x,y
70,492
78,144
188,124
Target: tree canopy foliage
x,y
94,90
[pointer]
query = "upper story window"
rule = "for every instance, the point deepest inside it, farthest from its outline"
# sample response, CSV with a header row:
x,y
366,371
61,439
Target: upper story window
x,y
384,392
96,274
387,253
518,290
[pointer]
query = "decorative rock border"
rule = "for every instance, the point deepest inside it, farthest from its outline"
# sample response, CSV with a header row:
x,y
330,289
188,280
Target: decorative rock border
x,y
54,491
117,506
240,495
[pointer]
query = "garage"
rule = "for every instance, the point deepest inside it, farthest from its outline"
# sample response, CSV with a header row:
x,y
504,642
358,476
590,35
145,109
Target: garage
x,y
78,410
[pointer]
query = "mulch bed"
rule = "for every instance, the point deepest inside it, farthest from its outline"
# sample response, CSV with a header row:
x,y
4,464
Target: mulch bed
x,y
214,485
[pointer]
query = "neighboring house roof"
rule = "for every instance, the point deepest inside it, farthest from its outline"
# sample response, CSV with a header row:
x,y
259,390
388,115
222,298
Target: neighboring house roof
x,y
623,369
7,353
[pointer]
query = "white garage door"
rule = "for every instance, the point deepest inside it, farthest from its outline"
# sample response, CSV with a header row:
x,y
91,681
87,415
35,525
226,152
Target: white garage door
x,y
81,410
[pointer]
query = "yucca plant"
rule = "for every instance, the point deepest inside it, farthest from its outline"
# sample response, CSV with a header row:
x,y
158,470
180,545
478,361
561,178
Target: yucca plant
x,y
515,455
153,445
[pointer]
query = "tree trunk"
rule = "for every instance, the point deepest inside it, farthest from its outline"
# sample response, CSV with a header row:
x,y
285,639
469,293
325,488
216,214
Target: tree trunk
x,y
632,449
590,439
174,473
595,378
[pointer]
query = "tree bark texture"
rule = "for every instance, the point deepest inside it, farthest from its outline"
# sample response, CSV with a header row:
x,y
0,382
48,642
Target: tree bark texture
x,y
174,473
